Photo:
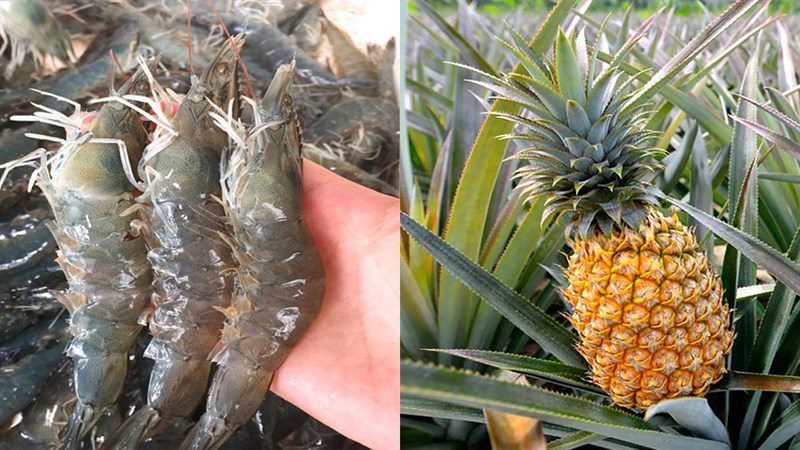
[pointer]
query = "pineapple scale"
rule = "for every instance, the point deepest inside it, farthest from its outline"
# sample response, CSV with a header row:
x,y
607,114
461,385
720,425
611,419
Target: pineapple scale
x,y
649,311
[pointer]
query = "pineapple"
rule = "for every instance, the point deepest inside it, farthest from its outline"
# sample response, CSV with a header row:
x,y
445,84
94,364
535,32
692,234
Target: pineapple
x,y
646,302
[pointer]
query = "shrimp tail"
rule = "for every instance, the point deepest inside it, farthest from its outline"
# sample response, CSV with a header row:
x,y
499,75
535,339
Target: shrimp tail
x,y
82,419
235,396
135,428
176,390
280,279
98,382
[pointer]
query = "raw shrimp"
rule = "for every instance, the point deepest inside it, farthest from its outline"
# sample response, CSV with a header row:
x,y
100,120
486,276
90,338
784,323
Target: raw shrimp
x,y
31,24
25,239
384,58
347,60
280,279
103,258
332,162
30,289
361,131
41,420
30,339
88,75
190,259
14,321
359,113
304,27
21,381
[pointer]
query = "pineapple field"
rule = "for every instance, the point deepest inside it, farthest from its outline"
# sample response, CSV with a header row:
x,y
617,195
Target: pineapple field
x,y
601,215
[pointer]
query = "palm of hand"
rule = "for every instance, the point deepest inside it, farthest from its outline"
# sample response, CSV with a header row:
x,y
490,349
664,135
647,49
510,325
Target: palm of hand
x,y
345,371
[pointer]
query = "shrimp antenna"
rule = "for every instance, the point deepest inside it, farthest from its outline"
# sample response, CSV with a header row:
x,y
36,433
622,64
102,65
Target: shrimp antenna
x,y
60,98
125,100
156,89
235,50
27,160
113,57
189,33
49,115
110,72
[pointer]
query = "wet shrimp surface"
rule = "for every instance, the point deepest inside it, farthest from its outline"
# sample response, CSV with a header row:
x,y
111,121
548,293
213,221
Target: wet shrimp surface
x,y
139,242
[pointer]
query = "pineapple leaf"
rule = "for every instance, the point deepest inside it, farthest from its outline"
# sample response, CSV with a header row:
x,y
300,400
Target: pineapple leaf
x,y
786,361
787,77
786,112
689,52
557,372
772,137
723,54
773,324
417,318
692,413
592,69
577,119
778,265
787,177
418,406
755,291
730,263
709,120
573,440
631,42
744,381
783,429
743,193
464,47
701,195
473,390
554,103
429,94
568,75
551,335
622,34
504,224
533,64
467,219
509,268
673,169
548,247
775,319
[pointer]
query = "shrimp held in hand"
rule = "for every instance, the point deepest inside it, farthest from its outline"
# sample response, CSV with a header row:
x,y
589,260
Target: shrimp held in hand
x,y
104,259
185,229
280,280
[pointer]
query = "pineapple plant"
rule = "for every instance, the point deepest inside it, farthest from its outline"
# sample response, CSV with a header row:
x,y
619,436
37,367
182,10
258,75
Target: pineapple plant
x,y
550,295
648,306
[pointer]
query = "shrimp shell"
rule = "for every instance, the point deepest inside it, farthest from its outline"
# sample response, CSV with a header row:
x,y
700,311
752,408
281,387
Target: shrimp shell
x,y
185,229
105,263
280,279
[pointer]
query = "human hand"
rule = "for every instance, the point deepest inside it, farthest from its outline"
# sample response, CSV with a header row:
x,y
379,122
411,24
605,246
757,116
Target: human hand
x,y
345,371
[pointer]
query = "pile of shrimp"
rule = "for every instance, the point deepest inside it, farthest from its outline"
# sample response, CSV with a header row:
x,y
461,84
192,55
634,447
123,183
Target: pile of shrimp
x,y
173,244
133,235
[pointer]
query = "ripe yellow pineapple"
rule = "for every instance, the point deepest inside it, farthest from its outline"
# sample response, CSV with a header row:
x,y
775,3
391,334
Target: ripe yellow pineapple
x,y
647,304
649,311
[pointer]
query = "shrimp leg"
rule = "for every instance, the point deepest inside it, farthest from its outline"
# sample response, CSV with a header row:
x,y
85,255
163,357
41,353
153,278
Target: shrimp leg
x,y
280,279
185,230
105,265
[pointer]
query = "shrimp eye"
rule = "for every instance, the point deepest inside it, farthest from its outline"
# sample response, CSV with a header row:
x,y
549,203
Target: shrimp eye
x,y
221,68
287,101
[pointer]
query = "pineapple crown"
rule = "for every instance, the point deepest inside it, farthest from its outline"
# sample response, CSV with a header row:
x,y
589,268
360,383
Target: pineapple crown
x,y
587,150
